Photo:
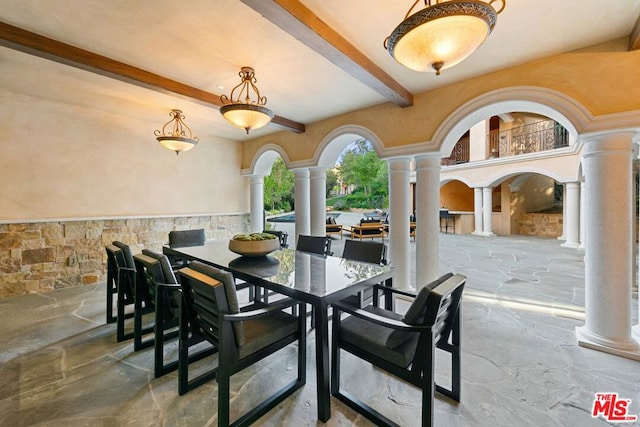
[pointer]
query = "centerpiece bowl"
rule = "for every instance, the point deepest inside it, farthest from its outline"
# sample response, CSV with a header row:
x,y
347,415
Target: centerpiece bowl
x,y
254,244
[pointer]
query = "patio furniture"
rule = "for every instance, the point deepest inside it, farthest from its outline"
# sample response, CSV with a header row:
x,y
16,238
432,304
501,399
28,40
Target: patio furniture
x,y
314,244
122,271
368,229
313,279
332,227
282,236
185,238
403,346
371,252
209,309
447,221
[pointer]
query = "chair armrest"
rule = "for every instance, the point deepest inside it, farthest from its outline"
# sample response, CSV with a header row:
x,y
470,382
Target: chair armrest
x,y
253,314
395,290
168,285
377,319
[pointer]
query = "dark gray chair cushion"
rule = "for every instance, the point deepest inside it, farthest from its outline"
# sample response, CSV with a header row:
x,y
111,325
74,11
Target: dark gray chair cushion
x,y
416,312
397,347
266,330
179,238
167,271
230,291
128,255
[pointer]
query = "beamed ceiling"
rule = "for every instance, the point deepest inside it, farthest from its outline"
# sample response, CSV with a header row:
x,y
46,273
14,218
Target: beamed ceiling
x,y
313,58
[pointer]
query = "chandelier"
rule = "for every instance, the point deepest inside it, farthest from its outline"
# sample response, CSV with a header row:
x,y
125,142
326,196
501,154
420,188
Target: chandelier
x,y
176,135
442,34
242,111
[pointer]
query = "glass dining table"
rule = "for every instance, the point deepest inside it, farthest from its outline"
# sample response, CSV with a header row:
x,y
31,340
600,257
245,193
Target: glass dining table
x,y
313,279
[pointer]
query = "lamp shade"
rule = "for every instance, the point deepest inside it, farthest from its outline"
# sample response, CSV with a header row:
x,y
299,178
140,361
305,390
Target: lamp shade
x,y
175,134
176,144
442,35
245,107
246,116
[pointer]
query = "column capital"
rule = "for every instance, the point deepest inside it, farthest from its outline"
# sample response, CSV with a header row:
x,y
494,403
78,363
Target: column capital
x,y
301,173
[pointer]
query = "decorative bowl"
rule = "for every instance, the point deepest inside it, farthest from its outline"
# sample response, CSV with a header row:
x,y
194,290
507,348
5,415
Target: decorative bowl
x,y
254,248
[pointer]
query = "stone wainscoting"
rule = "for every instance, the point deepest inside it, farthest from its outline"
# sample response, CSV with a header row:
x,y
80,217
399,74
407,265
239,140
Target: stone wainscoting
x,y
37,257
540,224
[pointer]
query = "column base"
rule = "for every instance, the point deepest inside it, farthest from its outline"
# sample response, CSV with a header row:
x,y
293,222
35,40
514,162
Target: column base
x,y
627,349
483,233
573,245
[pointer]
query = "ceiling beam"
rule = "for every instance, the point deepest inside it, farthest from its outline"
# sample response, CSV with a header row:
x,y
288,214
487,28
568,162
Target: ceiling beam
x,y
44,47
634,38
300,22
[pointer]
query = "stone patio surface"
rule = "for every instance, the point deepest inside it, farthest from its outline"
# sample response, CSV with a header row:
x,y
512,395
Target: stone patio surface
x,y
60,364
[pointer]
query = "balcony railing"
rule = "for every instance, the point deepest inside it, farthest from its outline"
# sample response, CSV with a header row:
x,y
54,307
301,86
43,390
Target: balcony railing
x,y
460,153
531,138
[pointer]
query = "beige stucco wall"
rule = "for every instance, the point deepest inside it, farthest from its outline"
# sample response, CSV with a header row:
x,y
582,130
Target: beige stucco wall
x,y
62,161
602,82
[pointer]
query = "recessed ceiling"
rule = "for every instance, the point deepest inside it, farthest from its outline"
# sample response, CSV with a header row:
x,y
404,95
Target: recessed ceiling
x,y
203,43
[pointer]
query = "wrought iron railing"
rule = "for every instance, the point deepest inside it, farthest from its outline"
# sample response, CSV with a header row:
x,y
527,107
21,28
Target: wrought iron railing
x,y
459,154
531,138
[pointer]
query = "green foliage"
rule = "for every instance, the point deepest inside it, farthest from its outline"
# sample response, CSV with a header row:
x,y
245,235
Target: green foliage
x,y
278,187
362,168
332,181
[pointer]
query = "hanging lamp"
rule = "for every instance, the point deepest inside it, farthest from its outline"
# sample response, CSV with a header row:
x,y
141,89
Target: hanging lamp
x,y
175,134
246,110
442,34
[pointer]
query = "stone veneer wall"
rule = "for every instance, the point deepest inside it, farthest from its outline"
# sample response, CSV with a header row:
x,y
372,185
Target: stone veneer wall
x,y
37,257
538,224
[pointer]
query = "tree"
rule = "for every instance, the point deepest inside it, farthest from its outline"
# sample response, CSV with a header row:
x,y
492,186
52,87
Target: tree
x,y
362,168
332,181
278,187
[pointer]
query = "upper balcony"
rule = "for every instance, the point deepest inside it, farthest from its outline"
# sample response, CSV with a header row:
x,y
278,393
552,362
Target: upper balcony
x,y
542,135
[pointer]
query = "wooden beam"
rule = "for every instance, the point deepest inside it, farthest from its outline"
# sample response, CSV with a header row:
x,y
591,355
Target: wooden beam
x,y
634,37
296,19
44,47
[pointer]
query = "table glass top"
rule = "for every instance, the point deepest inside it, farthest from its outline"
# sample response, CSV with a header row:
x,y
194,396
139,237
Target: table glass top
x,y
310,273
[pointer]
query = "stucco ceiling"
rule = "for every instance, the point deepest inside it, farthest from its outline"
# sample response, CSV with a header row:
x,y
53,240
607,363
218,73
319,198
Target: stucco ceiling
x,y
203,43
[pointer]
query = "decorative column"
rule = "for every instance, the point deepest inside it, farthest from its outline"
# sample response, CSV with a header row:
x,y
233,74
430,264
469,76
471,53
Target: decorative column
x,y
318,205
564,209
583,214
427,219
477,209
302,203
399,201
608,263
256,215
487,210
571,215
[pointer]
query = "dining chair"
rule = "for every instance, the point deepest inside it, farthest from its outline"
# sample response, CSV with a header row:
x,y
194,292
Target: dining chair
x,y
155,278
242,336
372,252
184,238
403,346
283,236
121,277
314,244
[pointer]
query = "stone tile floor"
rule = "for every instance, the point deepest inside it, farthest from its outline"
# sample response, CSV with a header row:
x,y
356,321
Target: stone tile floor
x,y
60,364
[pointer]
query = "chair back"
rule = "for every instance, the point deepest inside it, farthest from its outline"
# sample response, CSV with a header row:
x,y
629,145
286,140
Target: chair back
x,y
436,305
182,238
115,261
209,294
151,269
126,253
282,236
314,244
373,252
